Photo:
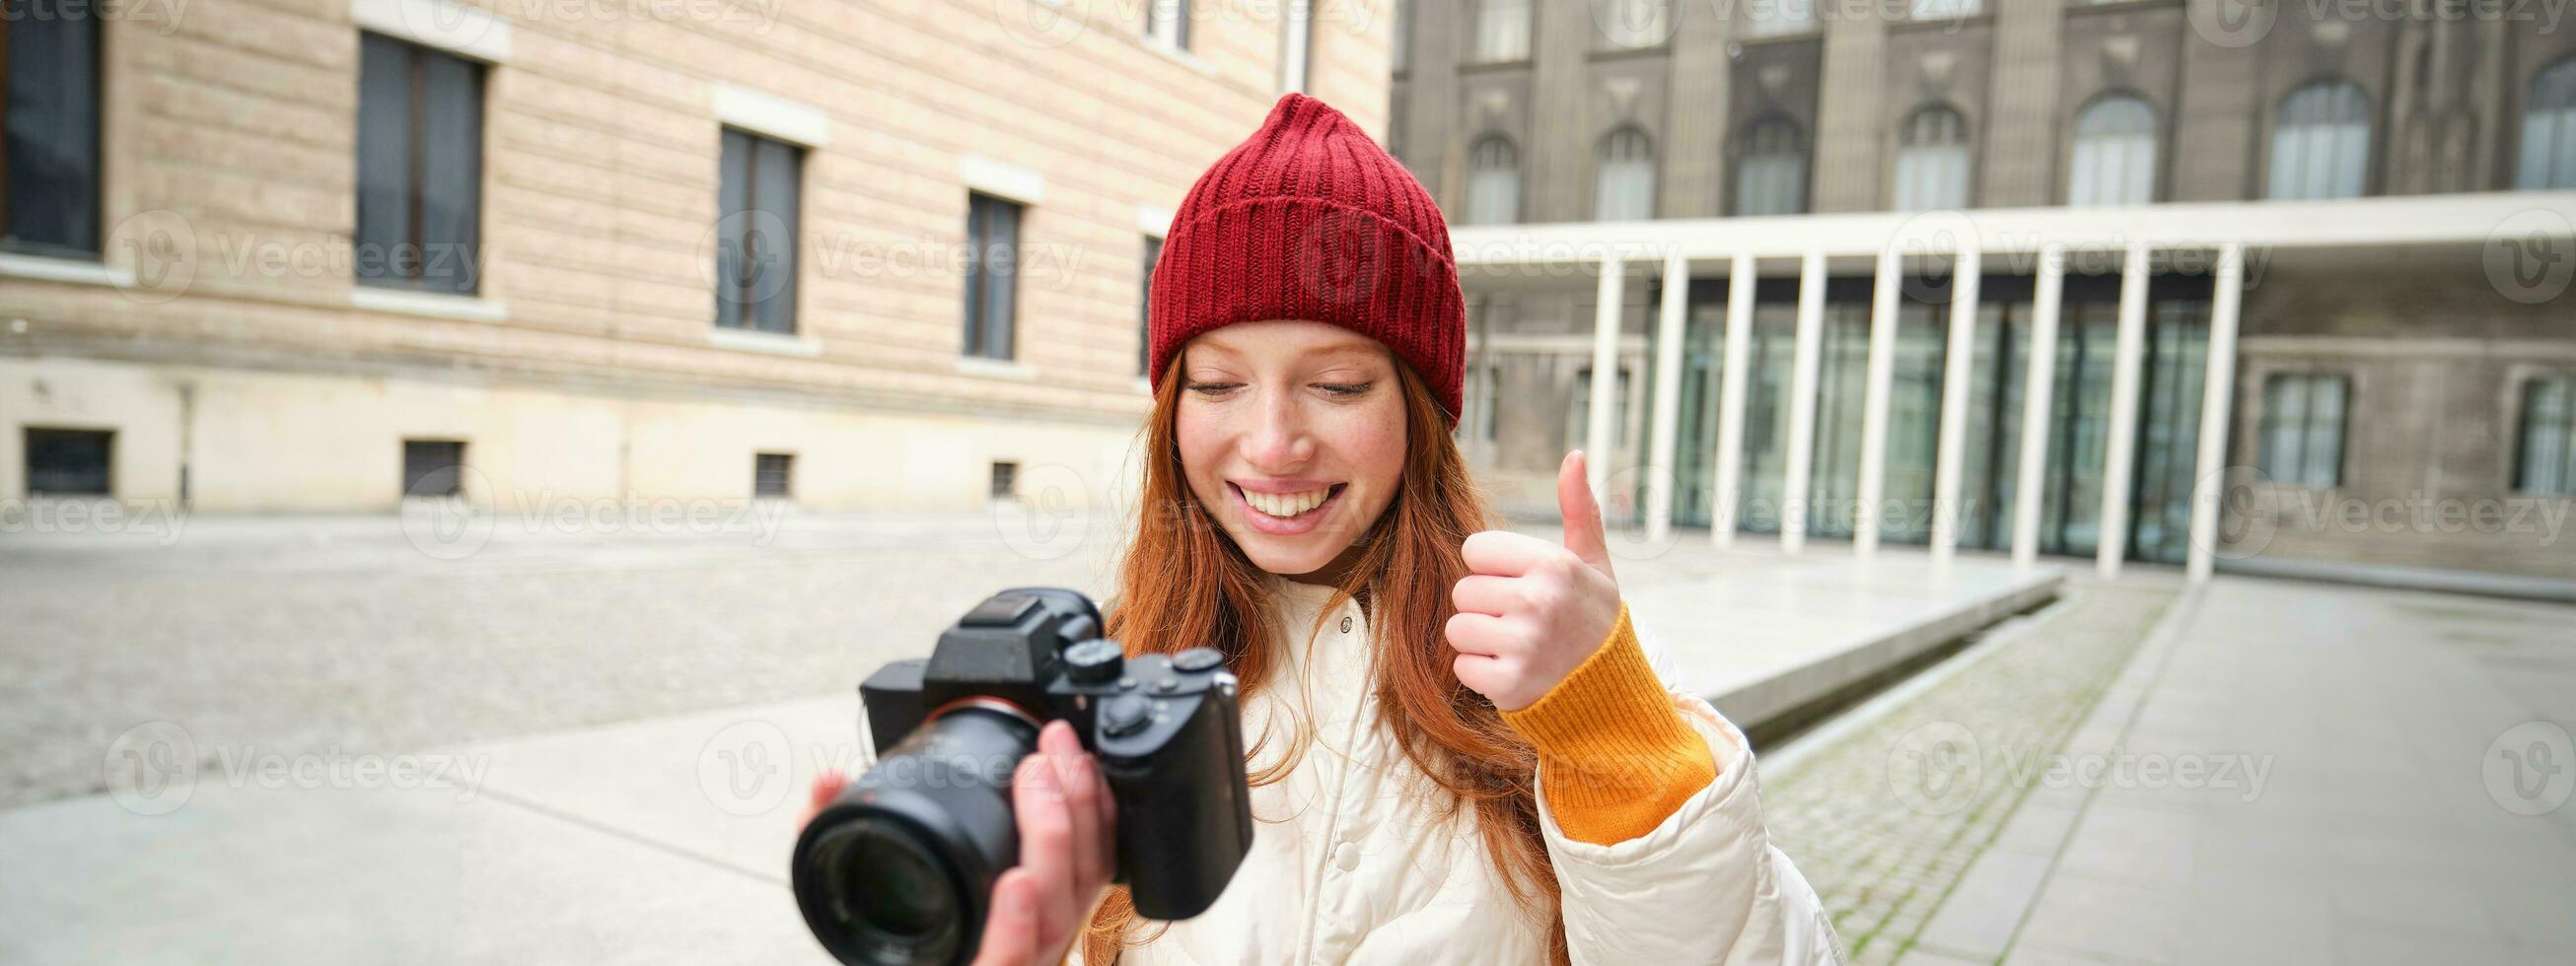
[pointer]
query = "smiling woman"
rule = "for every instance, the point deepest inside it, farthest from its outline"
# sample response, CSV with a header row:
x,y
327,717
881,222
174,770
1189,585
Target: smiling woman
x,y
1296,430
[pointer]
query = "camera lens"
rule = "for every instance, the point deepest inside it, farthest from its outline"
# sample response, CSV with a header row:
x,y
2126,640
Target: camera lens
x,y
900,868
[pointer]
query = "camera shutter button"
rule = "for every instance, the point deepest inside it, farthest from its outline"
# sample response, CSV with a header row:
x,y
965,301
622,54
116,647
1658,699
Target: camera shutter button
x,y
1198,659
1124,715
1095,661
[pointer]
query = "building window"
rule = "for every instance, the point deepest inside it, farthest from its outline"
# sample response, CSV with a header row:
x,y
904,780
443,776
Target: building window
x,y
1932,160
1168,22
773,474
1943,9
992,274
1006,480
2546,457
1632,24
757,208
2115,154
1493,182
433,467
1502,31
1296,44
1403,35
49,106
1771,172
70,462
2302,429
2321,145
1773,18
1627,178
2549,131
1145,309
420,167
1583,407
1483,395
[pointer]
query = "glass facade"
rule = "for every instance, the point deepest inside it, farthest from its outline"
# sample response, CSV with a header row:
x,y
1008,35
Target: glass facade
x,y
2070,515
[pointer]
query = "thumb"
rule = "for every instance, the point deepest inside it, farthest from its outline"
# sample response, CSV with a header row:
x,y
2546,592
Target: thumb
x,y
1583,533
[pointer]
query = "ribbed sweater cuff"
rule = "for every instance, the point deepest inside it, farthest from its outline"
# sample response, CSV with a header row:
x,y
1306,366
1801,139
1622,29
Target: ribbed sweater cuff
x,y
1616,757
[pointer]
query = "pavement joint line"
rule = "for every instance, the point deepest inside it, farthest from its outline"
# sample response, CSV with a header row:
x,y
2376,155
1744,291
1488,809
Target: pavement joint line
x,y
635,837
2158,647
1788,757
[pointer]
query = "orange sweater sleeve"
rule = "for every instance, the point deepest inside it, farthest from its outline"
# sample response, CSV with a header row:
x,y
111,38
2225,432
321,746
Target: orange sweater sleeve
x,y
1617,758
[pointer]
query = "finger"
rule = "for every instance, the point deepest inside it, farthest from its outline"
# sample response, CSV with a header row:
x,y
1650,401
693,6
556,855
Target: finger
x,y
1011,929
1488,676
1482,635
1583,531
1046,844
1487,594
1503,553
1081,802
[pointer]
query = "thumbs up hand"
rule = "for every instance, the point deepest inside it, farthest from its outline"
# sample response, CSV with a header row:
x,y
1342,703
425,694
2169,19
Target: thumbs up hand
x,y
1530,611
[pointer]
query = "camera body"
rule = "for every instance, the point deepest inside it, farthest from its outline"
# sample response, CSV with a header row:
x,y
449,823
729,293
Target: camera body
x,y
900,867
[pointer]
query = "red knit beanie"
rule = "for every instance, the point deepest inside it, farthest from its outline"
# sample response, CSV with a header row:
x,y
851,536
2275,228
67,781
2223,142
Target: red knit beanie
x,y
1309,219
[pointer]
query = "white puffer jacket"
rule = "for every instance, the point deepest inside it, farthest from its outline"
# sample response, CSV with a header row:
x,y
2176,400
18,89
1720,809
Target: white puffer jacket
x,y
1350,864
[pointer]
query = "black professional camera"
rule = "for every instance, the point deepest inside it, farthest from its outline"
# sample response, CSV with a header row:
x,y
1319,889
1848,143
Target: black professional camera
x,y
900,868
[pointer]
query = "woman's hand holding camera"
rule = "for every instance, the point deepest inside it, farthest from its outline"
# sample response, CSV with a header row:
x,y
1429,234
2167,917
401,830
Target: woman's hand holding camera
x,y
1530,611
1068,851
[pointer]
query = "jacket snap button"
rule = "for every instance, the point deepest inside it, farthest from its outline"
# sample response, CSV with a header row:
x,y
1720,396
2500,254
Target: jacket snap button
x,y
1346,623
1347,855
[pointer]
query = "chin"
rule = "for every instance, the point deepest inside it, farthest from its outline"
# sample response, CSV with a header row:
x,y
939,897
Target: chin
x,y
1289,556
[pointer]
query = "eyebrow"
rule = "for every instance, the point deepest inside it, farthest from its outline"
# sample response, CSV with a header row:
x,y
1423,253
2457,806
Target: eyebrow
x,y
1358,344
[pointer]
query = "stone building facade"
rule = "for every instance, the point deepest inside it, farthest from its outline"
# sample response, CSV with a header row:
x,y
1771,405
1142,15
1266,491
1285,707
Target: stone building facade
x,y
316,255
2444,370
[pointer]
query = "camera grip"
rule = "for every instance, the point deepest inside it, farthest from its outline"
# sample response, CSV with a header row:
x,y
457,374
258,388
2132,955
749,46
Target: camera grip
x,y
1184,806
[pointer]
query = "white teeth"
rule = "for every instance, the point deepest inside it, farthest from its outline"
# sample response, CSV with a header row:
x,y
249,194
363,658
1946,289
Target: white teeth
x,y
1286,504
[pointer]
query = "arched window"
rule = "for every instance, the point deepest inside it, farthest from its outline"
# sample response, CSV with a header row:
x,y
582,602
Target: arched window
x,y
2115,153
1502,30
1627,181
1932,160
1771,169
1632,24
2549,130
2321,145
1493,182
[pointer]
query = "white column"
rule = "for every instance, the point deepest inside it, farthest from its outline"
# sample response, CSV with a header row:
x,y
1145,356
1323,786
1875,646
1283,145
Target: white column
x,y
1730,400
1605,374
2028,487
1957,370
1873,424
1802,403
2120,452
2216,396
1660,477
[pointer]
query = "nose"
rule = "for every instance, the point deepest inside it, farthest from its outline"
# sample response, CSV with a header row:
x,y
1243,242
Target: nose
x,y
1279,440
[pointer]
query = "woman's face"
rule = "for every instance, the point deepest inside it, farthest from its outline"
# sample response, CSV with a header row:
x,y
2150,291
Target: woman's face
x,y
1292,434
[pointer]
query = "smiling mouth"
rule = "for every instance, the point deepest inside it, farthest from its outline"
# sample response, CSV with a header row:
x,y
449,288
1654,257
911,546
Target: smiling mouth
x,y
1287,506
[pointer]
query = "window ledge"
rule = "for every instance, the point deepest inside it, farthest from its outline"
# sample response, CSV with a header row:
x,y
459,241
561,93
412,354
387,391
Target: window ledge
x,y
994,368
1176,55
76,271
774,343
436,305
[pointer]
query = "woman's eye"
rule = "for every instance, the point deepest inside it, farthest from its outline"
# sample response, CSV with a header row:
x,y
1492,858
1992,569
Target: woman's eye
x,y
1345,388
1210,388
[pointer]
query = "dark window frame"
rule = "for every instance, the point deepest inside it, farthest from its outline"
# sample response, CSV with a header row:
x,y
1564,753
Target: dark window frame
x,y
416,469
2305,475
2565,428
406,257
990,335
1005,480
82,234
744,163
36,440
773,475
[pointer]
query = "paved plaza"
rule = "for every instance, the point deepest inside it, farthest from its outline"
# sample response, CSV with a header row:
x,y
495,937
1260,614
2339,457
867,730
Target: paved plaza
x,y
586,747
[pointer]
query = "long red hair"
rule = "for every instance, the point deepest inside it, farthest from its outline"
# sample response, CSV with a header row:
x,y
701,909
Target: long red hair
x,y
1183,583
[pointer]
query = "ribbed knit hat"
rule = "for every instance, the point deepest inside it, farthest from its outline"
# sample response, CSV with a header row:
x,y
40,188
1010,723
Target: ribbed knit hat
x,y
1309,219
